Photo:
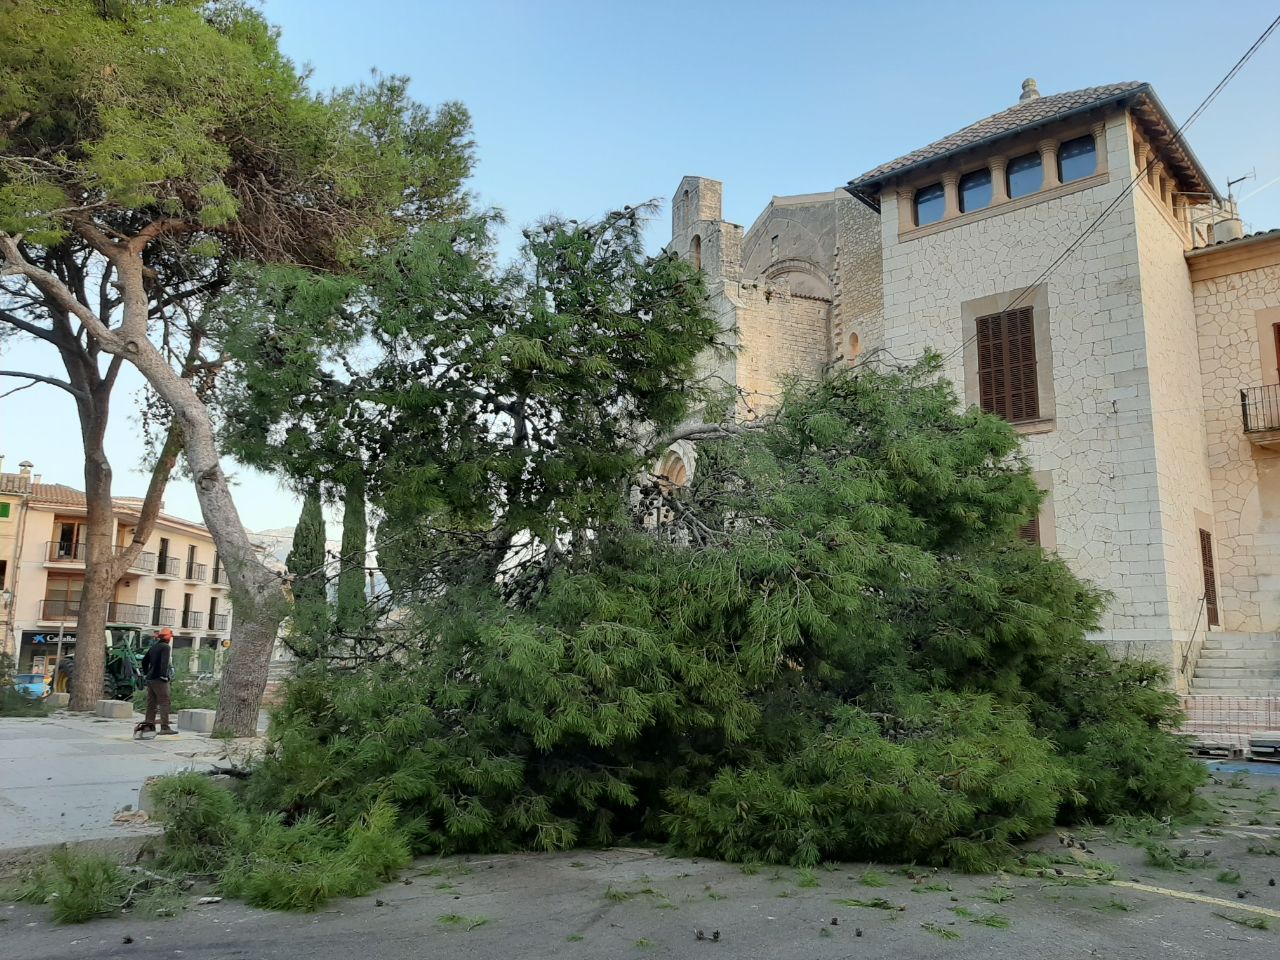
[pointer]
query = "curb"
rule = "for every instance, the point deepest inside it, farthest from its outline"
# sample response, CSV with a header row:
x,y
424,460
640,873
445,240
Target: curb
x,y
127,849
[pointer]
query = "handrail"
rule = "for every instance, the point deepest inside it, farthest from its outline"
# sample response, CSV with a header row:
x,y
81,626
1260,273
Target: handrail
x,y
1186,651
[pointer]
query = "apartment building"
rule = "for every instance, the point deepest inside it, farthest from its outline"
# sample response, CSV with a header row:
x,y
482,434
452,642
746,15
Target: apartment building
x,y
177,582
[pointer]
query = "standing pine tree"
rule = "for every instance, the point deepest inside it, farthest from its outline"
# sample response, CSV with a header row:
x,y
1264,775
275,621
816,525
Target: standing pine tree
x,y
306,562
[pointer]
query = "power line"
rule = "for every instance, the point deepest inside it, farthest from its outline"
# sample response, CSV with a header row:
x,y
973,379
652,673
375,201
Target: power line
x,y
1176,138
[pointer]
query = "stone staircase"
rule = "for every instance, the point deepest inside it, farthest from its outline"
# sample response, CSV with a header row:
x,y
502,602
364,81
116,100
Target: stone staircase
x,y
1238,665
1235,690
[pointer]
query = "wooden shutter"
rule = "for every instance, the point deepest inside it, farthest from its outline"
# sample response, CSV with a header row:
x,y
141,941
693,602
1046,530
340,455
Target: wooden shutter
x,y
1007,383
1210,581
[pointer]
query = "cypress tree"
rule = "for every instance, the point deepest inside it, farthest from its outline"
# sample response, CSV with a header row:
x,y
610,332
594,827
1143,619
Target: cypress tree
x,y
306,563
353,604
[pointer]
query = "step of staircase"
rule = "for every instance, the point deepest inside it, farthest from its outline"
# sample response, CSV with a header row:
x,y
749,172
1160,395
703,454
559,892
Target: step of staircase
x,y
1236,687
1238,671
1269,654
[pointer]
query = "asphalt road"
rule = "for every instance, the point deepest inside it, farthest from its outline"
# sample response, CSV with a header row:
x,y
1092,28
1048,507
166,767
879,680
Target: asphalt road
x,y
637,904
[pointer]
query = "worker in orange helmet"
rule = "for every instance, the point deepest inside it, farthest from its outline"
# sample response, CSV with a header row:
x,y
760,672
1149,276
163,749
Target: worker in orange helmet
x,y
157,673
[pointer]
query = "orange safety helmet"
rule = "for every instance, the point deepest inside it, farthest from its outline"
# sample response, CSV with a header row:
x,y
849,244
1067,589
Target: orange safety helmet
x,y
164,633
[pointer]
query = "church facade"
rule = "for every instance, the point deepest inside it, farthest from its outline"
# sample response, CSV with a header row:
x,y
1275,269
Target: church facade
x,y
1083,277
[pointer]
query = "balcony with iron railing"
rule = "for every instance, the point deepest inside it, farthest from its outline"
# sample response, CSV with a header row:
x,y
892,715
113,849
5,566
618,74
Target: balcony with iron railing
x,y
136,614
144,562
192,619
163,616
1260,413
219,575
198,572
59,610
168,567
220,622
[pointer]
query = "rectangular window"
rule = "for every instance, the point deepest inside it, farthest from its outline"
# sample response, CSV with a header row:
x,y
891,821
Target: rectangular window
x,y
1007,379
1077,159
1024,175
157,604
4,509
1210,581
975,190
930,204
164,550
4,573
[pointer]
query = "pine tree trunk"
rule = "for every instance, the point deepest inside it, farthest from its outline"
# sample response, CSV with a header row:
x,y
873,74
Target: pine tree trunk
x,y
257,595
100,576
104,566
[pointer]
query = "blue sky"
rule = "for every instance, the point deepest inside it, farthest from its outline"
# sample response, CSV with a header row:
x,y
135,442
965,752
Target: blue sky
x,y
580,107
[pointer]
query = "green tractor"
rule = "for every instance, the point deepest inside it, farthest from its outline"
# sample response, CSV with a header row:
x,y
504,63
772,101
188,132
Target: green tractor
x,y
123,675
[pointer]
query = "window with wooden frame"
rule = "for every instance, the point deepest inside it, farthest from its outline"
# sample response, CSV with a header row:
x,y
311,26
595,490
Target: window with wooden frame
x,y
1007,377
1210,580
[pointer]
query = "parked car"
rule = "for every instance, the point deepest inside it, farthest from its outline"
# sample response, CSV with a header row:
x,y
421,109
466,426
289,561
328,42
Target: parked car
x,y
32,686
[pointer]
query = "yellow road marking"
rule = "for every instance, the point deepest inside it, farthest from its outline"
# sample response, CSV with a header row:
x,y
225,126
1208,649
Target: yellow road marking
x,y
1197,897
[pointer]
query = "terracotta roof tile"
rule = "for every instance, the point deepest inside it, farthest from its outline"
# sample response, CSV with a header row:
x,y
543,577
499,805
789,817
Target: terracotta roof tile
x,y
1248,236
57,493
1023,114
14,483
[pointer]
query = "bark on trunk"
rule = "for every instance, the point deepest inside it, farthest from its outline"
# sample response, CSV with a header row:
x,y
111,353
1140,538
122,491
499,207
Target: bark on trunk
x,y
257,593
99,582
104,566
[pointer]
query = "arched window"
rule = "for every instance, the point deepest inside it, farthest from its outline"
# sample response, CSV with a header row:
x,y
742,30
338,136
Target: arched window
x,y
695,251
975,190
1077,159
1025,175
855,347
930,204
672,472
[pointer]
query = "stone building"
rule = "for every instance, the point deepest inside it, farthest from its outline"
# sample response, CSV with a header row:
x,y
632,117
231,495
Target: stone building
x,y
1083,277
177,582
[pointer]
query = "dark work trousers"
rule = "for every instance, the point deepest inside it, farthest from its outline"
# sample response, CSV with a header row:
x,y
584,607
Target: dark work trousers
x,y
158,697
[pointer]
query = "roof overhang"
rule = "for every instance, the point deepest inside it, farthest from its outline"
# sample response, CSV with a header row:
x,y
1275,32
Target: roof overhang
x,y
1142,100
1223,259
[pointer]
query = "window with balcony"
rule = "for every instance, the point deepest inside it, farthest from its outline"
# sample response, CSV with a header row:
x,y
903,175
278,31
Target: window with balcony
x,y
1025,175
975,190
61,598
930,204
1077,159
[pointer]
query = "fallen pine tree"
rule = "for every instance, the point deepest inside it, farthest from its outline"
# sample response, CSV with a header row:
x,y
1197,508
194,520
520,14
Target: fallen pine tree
x,y
832,644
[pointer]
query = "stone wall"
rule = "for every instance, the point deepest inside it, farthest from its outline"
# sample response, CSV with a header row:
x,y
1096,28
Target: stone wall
x,y
1184,503
1234,314
1099,447
858,314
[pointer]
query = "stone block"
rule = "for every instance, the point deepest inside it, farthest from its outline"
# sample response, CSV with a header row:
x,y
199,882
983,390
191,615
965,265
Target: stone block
x,y
114,709
58,701
197,721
